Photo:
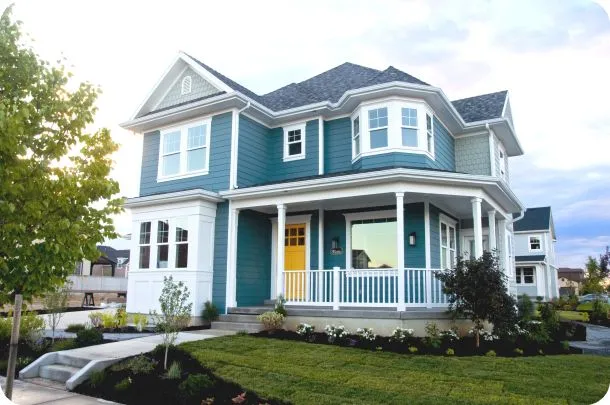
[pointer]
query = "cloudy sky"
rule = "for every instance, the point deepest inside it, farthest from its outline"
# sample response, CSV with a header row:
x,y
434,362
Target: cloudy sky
x,y
553,56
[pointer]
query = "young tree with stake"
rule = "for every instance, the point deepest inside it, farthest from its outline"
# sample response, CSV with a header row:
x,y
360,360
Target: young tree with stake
x,y
56,198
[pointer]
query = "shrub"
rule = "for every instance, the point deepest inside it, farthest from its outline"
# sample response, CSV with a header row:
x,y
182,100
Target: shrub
x,y
123,385
31,328
108,320
518,352
366,334
305,330
490,353
210,312
97,378
88,337
336,333
75,327
271,320
174,372
401,335
23,361
136,365
63,344
450,352
433,337
120,318
96,319
565,345
279,305
449,336
525,307
549,317
140,320
195,387
599,311
537,332
413,349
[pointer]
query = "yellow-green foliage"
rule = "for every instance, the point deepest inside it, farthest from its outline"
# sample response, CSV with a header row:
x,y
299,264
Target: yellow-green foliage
x,y
413,349
140,320
450,352
271,320
108,320
120,318
490,353
30,329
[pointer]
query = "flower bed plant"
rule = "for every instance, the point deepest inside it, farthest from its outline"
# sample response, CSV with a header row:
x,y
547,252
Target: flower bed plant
x,y
143,380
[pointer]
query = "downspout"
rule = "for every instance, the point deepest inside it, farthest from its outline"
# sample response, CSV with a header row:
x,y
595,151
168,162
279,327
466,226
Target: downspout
x,y
235,154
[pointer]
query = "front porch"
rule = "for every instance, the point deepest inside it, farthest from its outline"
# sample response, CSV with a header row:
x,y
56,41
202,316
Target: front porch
x,y
361,247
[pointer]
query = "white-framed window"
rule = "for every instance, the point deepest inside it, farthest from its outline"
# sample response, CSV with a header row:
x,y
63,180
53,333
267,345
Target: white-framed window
x,y
181,241
185,150
409,127
430,133
535,243
294,142
144,245
378,127
187,82
371,240
447,242
356,136
525,275
162,244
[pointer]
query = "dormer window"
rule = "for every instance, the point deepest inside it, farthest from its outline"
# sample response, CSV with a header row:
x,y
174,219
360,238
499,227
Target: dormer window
x,y
393,126
186,85
294,142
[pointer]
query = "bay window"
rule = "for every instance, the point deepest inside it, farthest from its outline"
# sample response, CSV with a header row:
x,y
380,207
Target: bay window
x,y
162,244
166,242
182,246
184,150
402,126
447,242
144,249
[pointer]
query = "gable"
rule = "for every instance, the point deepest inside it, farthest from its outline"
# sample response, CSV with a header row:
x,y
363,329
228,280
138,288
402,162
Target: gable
x,y
200,88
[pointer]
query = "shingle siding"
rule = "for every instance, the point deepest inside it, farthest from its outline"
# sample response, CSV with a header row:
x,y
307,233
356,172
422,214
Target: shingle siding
x,y
472,155
220,157
199,88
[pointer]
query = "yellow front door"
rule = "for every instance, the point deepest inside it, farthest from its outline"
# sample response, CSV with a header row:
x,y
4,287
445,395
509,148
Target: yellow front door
x,y
294,261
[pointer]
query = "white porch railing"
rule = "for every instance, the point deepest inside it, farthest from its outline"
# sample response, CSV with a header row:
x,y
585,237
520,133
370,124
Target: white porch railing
x,y
362,288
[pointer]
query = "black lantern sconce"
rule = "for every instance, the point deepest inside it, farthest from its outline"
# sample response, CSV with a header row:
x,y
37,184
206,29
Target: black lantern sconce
x,y
412,239
335,249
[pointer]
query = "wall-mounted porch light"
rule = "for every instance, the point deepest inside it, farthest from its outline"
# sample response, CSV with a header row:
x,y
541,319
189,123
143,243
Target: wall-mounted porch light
x,y
412,239
335,249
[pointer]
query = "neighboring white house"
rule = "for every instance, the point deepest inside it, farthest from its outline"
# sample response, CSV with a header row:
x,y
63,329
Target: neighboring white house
x,y
536,271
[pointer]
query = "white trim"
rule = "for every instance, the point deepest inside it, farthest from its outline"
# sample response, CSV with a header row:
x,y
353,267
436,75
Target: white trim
x,y
353,117
529,243
290,220
451,226
533,231
297,127
206,74
427,234
231,280
492,153
183,150
167,198
320,145
321,239
522,283
234,152
357,216
184,84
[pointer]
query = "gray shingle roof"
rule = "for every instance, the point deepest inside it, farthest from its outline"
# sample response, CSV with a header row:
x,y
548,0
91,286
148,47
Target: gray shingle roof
x,y
535,219
483,107
334,83
113,254
530,258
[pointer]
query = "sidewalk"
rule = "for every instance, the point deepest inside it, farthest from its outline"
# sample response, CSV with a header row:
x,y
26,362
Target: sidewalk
x,y
25,393
598,340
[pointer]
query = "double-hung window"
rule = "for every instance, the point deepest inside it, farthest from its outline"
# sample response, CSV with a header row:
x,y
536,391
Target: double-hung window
x,y
378,127
162,244
182,239
185,150
144,251
356,135
535,243
429,133
294,142
525,275
409,127
448,244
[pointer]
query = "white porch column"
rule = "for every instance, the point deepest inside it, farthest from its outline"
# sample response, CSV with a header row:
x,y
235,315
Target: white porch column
x,y
320,239
491,215
503,244
231,300
478,227
400,248
281,229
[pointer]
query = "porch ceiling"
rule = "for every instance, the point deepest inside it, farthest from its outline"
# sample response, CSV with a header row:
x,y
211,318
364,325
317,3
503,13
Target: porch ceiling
x,y
460,207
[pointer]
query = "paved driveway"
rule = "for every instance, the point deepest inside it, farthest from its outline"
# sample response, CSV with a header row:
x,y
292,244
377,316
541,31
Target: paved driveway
x,y
598,341
25,393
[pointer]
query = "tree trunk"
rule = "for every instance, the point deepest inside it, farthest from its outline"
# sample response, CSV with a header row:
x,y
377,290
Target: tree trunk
x,y
12,354
476,337
165,361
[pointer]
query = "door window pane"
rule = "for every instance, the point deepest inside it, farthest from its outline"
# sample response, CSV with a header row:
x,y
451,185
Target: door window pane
x,y
374,244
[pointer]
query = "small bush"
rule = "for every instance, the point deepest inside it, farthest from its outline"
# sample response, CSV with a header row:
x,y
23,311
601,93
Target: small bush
x,y
271,320
413,349
565,345
549,317
450,352
23,362
123,385
108,320
31,328
433,336
366,334
537,332
136,365
490,353
75,327
518,352
174,372
196,386
96,319
307,331
88,337
401,335
279,306
599,311
525,307
120,318
140,320
336,333
210,312
97,378
63,344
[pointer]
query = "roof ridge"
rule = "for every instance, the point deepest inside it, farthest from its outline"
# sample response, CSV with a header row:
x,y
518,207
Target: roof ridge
x,y
481,95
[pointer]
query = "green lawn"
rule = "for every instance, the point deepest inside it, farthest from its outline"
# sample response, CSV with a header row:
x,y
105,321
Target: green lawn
x,y
305,373
572,315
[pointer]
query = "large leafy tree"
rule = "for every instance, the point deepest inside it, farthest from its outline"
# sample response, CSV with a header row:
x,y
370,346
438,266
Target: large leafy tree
x,y
56,198
477,290
597,272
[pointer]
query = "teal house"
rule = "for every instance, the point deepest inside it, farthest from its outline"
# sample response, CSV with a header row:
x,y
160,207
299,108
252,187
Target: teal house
x,y
343,192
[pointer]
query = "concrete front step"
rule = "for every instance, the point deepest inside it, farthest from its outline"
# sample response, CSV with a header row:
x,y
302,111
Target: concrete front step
x,y
249,327
238,318
58,372
71,360
249,310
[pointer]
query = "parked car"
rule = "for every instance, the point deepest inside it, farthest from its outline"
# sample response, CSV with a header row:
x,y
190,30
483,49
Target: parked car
x,y
592,297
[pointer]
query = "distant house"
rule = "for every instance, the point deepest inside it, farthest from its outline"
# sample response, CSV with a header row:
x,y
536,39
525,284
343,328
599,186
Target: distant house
x,y
360,259
111,263
570,280
535,270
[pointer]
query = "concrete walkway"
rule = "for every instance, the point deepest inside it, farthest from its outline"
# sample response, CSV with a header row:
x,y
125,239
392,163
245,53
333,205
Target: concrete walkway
x,y
25,393
598,340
